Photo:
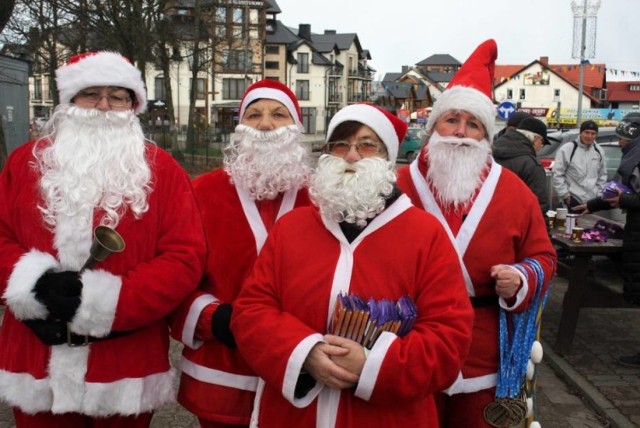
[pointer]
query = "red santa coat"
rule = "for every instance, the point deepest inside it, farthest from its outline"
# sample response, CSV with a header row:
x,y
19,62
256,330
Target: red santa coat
x,y
216,383
504,226
284,308
131,292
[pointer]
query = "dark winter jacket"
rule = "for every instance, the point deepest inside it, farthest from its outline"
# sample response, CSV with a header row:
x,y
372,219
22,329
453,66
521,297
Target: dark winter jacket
x,y
514,151
629,175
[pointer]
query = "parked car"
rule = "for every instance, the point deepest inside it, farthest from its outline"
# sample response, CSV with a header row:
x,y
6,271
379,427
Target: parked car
x,y
547,154
412,143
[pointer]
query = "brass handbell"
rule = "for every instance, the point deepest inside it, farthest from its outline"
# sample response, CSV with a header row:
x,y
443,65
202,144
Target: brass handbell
x,y
105,242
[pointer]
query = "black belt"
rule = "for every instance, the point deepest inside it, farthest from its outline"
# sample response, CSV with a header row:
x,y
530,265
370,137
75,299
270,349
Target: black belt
x,y
481,301
57,333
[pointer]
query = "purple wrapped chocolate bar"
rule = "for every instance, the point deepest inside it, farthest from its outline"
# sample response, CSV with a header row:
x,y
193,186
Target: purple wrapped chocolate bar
x,y
612,188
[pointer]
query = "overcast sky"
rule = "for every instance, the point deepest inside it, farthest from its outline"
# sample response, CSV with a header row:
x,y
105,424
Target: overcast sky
x,y
404,32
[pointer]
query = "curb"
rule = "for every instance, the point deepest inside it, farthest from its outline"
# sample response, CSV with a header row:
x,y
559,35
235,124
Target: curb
x,y
594,397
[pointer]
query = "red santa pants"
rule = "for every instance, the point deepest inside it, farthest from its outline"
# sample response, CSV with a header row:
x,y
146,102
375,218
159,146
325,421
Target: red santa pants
x,y
464,410
66,420
211,424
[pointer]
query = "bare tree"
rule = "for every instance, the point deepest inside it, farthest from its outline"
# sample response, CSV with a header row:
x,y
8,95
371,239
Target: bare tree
x,y
6,9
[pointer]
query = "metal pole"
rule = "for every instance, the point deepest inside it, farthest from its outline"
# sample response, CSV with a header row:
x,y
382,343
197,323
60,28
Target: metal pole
x,y
582,52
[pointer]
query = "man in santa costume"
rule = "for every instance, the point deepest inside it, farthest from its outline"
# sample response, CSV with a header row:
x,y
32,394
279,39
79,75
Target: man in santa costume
x,y
266,169
490,215
367,239
89,347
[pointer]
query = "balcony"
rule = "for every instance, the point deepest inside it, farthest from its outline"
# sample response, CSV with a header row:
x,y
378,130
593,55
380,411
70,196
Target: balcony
x,y
360,74
356,98
335,98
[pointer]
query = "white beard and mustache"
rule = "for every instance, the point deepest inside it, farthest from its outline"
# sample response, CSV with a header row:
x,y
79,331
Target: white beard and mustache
x,y
455,167
267,163
352,197
97,161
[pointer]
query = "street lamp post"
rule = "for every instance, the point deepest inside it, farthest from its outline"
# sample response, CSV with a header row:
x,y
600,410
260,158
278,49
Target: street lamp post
x,y
584,40
160,122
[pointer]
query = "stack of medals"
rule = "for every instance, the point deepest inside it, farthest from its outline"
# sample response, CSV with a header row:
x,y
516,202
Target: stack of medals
x,y
510,406
363,322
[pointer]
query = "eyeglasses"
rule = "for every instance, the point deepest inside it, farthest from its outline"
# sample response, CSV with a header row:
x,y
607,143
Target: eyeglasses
x,y
364,148
114,100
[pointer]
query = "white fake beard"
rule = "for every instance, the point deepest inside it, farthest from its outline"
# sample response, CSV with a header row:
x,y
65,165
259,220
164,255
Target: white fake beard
x,y
352,197
455,167
267,163
96,161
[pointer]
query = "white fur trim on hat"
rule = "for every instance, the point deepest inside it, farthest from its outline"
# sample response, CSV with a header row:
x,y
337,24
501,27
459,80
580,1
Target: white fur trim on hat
x,y
271,94
101,69
467,99
374,119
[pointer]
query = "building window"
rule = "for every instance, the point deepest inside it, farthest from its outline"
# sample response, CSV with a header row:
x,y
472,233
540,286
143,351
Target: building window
x,y
237,60
273,50
233,89
201,90
556,93
509,94
309,119
302,89
159,89
303,62
37,88
523,94
272,65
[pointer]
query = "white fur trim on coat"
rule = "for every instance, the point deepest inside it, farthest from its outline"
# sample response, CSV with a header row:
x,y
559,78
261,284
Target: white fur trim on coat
x,y
131,396
467,99
373,364
100,292
293,370
20,295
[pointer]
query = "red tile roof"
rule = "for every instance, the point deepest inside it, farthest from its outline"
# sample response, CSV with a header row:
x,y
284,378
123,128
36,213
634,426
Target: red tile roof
x,y
619,91
594,74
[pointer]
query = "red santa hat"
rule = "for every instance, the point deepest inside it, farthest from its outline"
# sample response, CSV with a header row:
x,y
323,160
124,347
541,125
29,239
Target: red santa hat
x,y
471,89
391,129
101,68
272,90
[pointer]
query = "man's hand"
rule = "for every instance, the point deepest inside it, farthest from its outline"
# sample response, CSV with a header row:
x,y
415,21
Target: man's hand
x,y
320,366
354,360
507,280
60,293
582,209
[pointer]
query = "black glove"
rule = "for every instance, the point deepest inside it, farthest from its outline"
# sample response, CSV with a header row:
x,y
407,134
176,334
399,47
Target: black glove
x,y
60,293
220,325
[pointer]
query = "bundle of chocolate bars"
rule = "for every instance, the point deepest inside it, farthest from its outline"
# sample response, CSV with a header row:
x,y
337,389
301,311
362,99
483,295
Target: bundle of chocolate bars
x,y
363,322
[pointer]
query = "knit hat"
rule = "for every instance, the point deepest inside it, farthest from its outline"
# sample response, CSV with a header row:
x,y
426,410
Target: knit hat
x,y
391,129
101,68
471,89
536,126
588,124
272,90
629,127
516,118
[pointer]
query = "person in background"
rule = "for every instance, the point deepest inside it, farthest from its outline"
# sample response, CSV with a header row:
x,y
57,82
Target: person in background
x,y
512,123
580,169
628,131
89,346
266,169
493,219
366,239
516,150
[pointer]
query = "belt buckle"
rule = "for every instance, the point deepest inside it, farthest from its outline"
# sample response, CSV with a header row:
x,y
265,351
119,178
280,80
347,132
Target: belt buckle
x,y
72,344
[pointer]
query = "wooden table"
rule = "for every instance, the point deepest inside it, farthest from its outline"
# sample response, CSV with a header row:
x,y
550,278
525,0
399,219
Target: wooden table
x,y
583,290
